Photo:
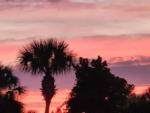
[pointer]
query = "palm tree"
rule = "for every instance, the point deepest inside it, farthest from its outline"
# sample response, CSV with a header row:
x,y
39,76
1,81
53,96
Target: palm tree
x,y
7,78
48,57
9,82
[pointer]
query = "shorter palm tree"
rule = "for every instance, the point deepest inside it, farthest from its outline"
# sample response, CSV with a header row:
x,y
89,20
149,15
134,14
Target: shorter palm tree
x,y
7,78
10,83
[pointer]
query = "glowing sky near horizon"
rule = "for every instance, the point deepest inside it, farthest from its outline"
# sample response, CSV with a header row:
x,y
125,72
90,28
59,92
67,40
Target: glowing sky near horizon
x,y
118,30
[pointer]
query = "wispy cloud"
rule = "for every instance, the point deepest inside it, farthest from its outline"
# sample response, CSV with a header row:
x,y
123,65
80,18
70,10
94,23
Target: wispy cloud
x,y
130,61
12,40
104,45
79,1
135,69
63,19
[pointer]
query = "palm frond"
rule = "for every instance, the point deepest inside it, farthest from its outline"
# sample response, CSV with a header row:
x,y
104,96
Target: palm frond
x,y
7,78
20,89
39,56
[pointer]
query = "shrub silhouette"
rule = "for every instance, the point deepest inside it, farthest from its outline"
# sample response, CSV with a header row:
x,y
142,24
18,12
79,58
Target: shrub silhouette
x,y
8,105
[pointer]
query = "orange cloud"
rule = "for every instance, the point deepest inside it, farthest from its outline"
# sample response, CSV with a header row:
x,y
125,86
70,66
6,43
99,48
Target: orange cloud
x,y
140,89
111,46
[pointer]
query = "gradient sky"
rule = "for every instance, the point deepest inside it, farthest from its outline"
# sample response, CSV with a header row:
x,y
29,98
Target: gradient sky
x,y
118,30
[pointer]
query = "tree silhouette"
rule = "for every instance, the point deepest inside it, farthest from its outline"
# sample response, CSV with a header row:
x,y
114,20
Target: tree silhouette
x,y
7,79
9,105
97,90
146,95
139,104
10,84
47,57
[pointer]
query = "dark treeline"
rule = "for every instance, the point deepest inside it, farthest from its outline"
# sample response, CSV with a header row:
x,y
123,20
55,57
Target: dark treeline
x,y
96,90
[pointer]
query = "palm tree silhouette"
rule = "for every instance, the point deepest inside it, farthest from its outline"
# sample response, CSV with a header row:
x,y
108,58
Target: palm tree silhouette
x,y
48,57
7,79
9,82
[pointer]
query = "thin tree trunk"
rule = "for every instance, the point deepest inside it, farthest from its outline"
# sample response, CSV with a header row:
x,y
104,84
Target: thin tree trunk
x,y
48,90
47,107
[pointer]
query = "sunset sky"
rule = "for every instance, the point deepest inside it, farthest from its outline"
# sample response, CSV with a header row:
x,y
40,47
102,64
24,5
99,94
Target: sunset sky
x,y
117,30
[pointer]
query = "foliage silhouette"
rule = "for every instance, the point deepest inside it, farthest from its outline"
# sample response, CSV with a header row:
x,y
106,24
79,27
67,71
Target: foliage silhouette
x,y
47,57
139,104
31,111
7,79
9,105
97,90
10,84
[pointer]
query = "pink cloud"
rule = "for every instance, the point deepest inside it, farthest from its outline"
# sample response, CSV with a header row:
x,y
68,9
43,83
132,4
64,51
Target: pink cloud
x,y
64,20
8,53
111,46
105,46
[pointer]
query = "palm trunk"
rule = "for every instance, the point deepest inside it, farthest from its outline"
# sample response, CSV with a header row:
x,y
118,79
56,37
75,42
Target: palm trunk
x,y
48,90
47,107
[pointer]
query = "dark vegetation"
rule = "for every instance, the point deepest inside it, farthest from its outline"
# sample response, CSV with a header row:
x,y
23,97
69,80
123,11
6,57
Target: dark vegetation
x,y
97,90
139,104
10,83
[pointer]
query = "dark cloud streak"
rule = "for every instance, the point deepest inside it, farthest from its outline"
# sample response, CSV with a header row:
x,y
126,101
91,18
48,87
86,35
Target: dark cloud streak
x,y
135,70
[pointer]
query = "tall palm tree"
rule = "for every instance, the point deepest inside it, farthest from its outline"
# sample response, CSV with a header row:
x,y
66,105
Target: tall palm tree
x,y
48,57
